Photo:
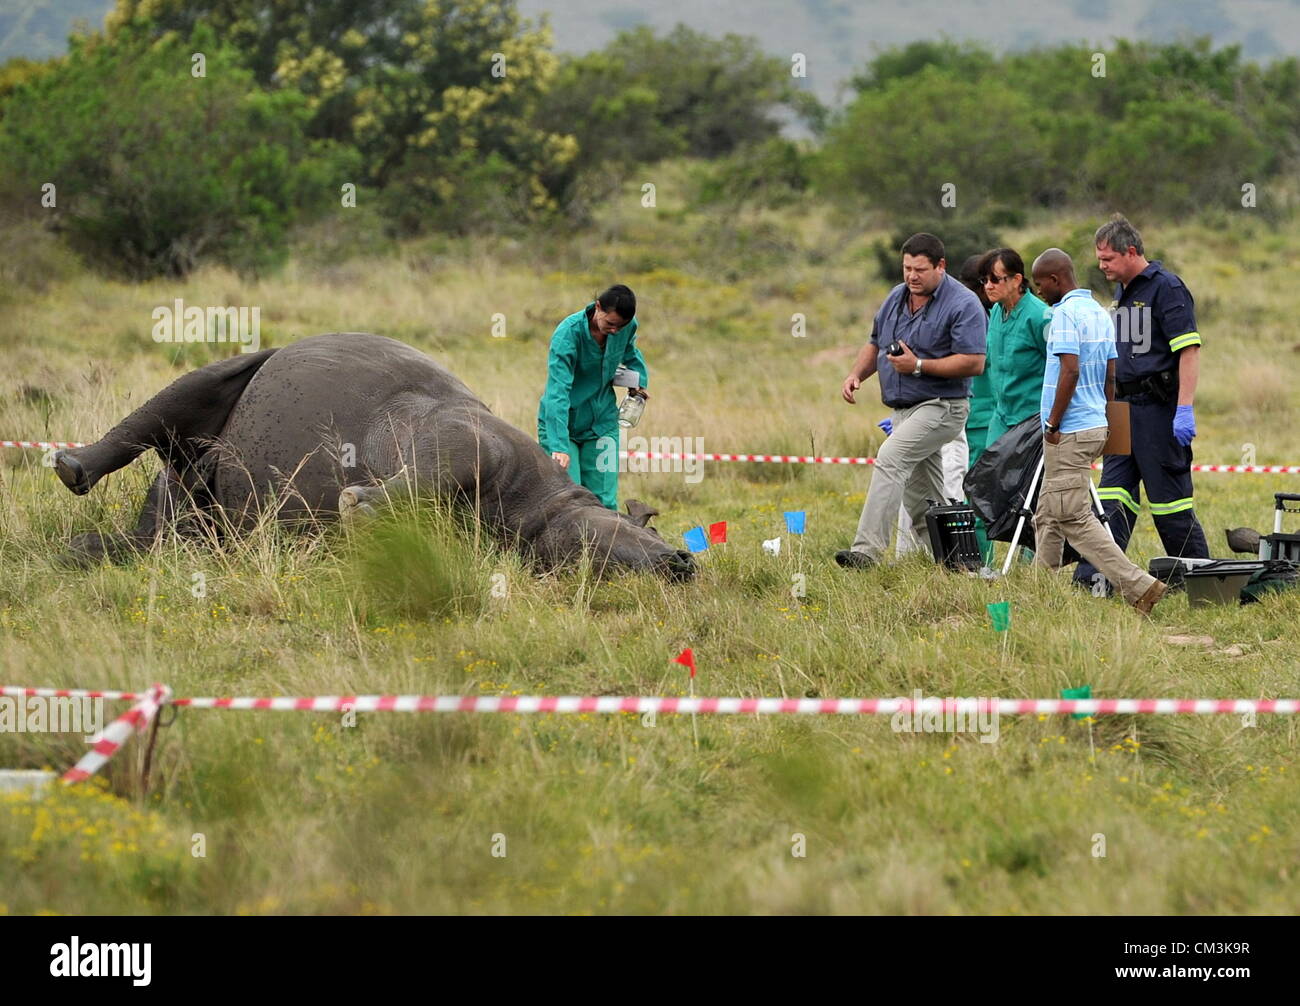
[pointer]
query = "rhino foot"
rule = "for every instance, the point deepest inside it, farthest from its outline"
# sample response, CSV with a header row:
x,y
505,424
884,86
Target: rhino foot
x,y
93,548
71,472
355,501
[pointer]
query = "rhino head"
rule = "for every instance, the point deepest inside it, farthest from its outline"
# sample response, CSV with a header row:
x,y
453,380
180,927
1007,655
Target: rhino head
x,y
614,541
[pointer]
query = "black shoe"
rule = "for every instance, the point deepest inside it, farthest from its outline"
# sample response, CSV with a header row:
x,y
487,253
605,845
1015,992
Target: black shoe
x,y
70,473
854,560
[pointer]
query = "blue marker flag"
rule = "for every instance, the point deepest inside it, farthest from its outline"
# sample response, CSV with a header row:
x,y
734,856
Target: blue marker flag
x,y
794,521
696,540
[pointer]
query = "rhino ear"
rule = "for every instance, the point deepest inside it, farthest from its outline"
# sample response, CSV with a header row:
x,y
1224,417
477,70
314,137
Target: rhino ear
x,y
639,512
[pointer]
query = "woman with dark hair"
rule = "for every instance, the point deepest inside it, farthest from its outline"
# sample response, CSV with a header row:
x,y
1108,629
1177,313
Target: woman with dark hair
x,y
577,418
981,403
981,392
1017,341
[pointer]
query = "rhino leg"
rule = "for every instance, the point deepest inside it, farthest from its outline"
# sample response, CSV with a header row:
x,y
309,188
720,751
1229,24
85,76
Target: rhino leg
x,y
179,422
172,501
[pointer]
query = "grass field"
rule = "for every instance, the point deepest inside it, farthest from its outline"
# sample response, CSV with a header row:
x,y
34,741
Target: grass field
x,y
300,813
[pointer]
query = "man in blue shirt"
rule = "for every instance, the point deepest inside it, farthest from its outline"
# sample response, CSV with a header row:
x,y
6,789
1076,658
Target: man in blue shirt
x,y
1156,372
1078,381
939,327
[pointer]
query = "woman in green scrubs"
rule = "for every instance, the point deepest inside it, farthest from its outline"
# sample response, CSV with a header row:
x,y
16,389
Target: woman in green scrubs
x,y
1016,358
1017,341
577,418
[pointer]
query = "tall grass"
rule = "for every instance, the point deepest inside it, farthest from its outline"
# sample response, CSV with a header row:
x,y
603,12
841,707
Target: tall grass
x,y
402,813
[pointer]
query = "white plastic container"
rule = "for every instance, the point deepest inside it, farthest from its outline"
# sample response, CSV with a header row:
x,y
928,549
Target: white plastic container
x,y
34,781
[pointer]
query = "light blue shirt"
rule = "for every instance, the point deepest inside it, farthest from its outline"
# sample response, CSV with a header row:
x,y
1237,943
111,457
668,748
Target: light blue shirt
x,y
1084,328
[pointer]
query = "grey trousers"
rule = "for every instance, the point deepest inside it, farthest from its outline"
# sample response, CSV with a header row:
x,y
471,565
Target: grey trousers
x,y
908,469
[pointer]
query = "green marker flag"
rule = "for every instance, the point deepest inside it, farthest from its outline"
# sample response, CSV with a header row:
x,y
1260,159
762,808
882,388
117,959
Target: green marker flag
x,y
1001,615
1082,692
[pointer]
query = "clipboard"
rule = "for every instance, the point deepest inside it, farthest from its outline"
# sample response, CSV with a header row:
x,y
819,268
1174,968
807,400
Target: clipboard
x,y
1119,440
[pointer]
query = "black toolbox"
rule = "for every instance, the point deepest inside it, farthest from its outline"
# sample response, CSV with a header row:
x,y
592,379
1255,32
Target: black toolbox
x,y
952,535
1220,581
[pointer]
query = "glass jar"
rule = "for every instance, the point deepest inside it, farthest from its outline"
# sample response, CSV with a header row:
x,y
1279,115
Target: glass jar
x,y
629,413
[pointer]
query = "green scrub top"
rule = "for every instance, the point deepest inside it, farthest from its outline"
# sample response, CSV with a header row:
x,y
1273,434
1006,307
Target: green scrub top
x,y
981,412
1016,361
579,404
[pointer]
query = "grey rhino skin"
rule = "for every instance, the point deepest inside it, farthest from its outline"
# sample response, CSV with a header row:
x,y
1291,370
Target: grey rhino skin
x,y
275,428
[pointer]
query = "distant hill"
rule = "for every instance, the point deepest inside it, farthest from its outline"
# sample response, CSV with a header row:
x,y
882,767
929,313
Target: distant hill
x,y
837,36
38,29
840,36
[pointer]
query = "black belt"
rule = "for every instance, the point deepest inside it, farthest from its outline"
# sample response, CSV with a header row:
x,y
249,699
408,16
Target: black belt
x,y
1162,386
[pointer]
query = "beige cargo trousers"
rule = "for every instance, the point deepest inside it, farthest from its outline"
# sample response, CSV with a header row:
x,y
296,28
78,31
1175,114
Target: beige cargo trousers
x,y
1065,513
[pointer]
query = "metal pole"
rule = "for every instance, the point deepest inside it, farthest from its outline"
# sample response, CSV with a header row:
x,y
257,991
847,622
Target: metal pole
x,y
1020,521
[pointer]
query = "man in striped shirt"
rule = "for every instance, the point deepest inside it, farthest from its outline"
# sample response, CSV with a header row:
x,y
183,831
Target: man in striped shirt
x,y
1079,380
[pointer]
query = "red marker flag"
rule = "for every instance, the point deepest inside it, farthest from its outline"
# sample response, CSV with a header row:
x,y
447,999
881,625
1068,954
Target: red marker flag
x,y
687,659
718,533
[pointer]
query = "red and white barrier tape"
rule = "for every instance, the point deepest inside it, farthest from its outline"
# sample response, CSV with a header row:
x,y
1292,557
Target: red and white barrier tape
x,y
671,704
758,706
806,459
789,459
146,706
137,718
73,693
40,445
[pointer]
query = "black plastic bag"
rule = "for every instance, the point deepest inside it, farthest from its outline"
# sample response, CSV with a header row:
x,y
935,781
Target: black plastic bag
x,y
999,482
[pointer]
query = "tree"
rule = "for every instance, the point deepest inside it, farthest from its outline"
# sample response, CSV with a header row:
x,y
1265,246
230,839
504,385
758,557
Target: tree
x,y
155,169
425,90
645,97
901,145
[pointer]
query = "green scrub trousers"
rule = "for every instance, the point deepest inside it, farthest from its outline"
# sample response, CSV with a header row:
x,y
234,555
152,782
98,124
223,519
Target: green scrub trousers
x,y
578,412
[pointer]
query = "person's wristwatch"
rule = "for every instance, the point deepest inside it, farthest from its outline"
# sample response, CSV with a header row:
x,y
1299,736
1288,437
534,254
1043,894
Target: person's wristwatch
x,y
1051,428
916,371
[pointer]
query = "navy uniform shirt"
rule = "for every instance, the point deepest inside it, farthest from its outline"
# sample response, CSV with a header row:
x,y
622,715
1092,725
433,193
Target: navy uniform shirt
x,y
1155,318
952,321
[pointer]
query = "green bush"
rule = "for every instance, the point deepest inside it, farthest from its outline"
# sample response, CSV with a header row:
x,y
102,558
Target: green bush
x,y
645,97
438,99
1172,132
771,173
1163,128
155,169
414,562
900,146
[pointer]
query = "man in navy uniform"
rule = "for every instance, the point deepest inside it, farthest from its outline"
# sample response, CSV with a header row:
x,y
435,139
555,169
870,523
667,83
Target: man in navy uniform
x,y
1159,360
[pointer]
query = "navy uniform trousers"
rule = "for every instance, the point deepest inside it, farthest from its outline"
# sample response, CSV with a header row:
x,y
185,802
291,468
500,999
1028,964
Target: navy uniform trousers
x,y
1164,467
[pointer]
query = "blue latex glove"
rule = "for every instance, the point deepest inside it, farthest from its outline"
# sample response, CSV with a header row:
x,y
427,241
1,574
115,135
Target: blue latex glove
x,y
1184,425
887,425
